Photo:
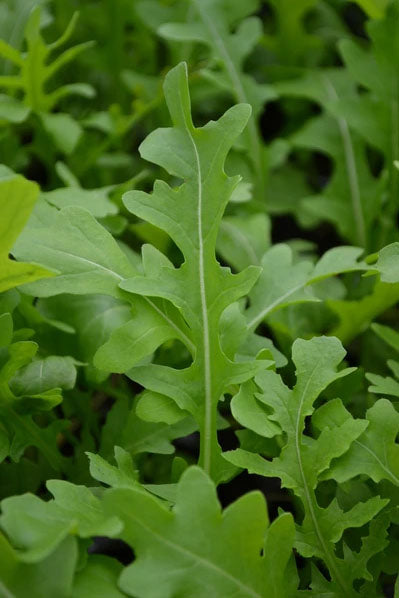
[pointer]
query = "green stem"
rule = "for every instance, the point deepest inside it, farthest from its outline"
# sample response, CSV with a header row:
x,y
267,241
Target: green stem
x,y
351,170
311,501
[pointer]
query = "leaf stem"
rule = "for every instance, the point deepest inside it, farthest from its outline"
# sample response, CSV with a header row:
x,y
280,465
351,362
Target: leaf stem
x,y
209,427
351,170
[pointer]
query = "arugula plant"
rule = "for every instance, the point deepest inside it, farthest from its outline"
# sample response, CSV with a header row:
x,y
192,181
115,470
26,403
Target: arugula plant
x,y
34,70
176,313
303,459
352,199
360,204
29,86
211,26
199,291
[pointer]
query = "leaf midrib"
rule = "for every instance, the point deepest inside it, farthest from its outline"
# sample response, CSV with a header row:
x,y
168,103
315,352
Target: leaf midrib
x,y
330,560
207,455
351,168
384,467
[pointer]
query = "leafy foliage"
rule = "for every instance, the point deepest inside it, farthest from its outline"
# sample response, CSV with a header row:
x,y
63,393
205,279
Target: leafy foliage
x,y
18,197
199,282
173,542
321,528
34,70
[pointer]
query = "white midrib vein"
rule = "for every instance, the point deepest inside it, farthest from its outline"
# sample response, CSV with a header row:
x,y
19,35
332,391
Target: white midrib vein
x,y
351,169
207,444
196,557
330,560
240,92
384,467
261,315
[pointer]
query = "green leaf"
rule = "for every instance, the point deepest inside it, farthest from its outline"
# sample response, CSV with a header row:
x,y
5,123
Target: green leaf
x,y
95,201
303,459
17,198
355,316
201,289
283,282
125,428
187,545
153,407
387,263
44,374
87,257
243,240
375,453
37,527
122,476
250,412
391,337
374,114
93,317
6,329
383,385
211,26
351,200
11,110
35,382
98,578
90,261
18,578
291,43
35,69
63,129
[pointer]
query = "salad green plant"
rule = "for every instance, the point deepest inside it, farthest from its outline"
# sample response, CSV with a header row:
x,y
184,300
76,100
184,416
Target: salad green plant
x,y
199,287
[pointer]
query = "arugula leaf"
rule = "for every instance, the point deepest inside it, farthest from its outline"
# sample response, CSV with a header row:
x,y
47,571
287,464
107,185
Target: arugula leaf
x,y
200,288
121,476
126,429
34,70
243,240
352,198
283,282
87,257
98,578
90,261
96,201
369,454
41,375
178,302
355,316
74,510
17,198
212,27
187,544
92,317
374,114
41,535
27,389
386,385
303,459
18,578
291,43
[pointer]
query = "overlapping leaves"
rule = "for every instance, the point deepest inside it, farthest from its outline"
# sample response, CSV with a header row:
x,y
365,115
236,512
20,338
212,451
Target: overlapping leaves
x,y
304,459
